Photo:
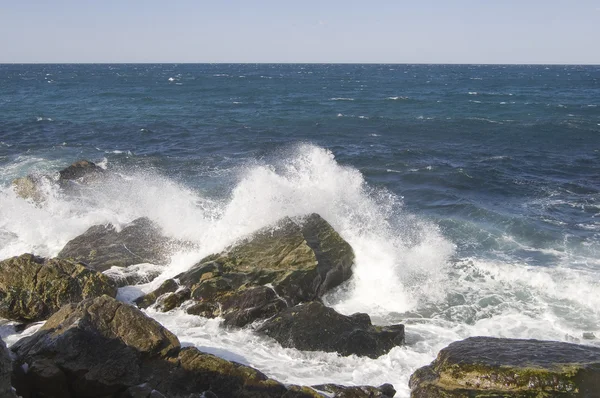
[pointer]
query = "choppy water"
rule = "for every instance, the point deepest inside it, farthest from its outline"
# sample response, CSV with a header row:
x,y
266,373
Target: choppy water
x,y
470,194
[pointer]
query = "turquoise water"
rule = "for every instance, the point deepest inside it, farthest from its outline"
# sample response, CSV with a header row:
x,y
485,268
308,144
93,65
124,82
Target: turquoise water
x,y
471,194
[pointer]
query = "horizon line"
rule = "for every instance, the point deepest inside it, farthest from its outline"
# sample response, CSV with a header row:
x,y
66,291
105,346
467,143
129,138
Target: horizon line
x,y
302,63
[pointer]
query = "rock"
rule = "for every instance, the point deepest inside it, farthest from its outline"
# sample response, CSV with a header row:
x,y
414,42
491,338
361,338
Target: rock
x,y
383,391
81,170
292,261
105,348
134,274
6,370
29,188
102,247
168,286
315,327
493,367
33,288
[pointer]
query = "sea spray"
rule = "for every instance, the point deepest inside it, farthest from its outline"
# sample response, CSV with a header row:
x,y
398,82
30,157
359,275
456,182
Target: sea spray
x,y
406,269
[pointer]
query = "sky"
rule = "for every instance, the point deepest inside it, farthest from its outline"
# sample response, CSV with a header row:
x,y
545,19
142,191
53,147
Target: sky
x,y
306,31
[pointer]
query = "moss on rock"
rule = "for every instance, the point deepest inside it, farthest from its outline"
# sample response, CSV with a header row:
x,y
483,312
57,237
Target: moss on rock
x,y
491,367
33,288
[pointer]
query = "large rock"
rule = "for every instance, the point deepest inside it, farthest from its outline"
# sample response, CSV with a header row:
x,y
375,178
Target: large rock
x,y
33,288
293,261
102,246
315,327
104,348
6,370
491,367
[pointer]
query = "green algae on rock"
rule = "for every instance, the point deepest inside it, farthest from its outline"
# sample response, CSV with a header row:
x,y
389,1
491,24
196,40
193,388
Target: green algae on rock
x,y
33,288
494,367
104,348
293,261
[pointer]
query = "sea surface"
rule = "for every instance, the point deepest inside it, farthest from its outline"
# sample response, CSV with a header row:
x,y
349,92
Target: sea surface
x,y
470,194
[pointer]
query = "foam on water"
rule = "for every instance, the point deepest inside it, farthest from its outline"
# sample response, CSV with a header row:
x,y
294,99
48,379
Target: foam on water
x,y
406,270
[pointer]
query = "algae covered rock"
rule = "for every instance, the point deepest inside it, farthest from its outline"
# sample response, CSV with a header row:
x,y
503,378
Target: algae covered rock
x,y
105,348
293,261
33,288
315,327
102,246
493,367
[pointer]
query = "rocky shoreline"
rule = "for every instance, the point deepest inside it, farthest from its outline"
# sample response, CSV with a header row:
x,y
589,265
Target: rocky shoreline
x,y
93,345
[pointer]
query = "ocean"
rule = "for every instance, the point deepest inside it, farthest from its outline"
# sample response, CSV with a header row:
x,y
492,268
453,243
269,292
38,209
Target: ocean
x,y
470,193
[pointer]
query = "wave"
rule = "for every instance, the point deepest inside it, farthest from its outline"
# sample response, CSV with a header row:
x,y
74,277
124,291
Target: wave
x,y
406,269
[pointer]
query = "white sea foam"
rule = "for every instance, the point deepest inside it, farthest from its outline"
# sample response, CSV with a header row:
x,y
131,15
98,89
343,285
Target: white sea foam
x,y
341,99
405,269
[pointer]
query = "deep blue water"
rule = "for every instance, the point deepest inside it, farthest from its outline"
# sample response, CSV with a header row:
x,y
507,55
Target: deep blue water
x,y
484,151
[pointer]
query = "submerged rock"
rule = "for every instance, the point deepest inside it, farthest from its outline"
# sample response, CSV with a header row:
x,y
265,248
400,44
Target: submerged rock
x,y
315,327
293,261
102,247
33,288
493,367
105,348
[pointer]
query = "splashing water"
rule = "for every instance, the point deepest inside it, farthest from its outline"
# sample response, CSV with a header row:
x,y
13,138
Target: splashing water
x,y
405,269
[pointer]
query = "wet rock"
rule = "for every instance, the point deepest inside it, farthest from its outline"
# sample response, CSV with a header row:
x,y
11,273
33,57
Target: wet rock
x,y
492,367
293,261
168,286
134,274
33,288
102,246
315,327
105,348
6,370
383,391
30,188
81,170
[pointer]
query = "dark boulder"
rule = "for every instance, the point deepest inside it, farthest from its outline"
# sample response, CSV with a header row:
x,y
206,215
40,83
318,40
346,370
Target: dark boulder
x,y
81,170
33,288
292,261
315,327
492,367
102,246
104,348
6,371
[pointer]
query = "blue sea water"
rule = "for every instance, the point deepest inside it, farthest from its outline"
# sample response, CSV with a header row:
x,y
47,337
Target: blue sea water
x,y
470,193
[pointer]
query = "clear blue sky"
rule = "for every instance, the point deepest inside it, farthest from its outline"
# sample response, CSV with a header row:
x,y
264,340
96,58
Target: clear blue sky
x,y
400,31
